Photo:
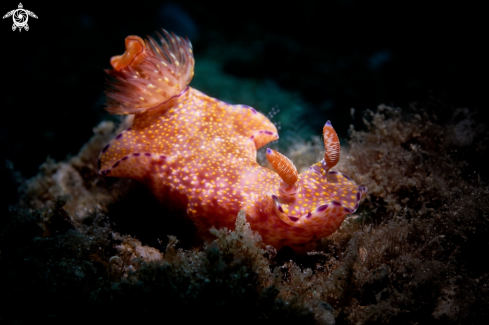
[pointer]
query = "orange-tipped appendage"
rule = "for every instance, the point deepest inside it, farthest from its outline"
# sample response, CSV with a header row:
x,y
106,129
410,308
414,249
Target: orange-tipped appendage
x,y
134,54
283,166
331,146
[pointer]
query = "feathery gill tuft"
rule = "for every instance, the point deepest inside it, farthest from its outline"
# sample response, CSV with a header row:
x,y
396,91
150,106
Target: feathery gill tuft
x,y
149,74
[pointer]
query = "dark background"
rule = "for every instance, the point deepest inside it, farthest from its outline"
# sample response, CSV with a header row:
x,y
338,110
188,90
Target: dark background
x,y
335,55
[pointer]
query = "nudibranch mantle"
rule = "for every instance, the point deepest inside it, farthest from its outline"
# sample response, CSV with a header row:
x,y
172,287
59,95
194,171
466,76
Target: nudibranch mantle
x,y
197,153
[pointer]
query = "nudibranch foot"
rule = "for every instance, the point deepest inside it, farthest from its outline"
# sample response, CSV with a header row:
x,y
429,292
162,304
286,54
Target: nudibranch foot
x,y
198,154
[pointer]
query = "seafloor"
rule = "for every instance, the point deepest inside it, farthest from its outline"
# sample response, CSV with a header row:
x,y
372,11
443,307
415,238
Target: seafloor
x,y
413,253
76,247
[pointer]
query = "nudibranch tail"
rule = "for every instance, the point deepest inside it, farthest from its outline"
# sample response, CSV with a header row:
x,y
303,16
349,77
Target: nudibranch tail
x,y
148,74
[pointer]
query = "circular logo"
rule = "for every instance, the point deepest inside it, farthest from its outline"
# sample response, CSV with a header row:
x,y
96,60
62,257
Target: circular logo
x,y
20,18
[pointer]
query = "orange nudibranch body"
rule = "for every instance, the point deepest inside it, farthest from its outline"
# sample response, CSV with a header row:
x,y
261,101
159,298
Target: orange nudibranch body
x,y
197,153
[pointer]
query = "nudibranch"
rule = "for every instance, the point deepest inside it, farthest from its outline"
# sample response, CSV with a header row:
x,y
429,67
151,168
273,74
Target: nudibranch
x,y
198,154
